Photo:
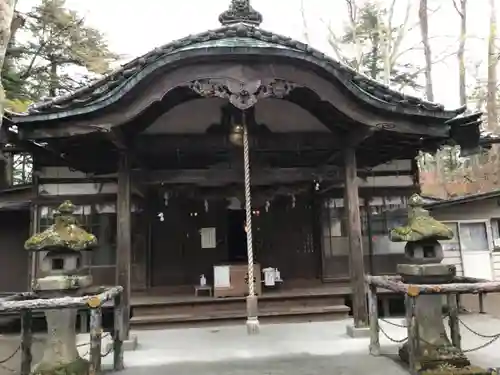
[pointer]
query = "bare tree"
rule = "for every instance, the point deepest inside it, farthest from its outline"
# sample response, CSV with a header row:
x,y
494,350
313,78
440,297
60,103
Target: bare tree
x,y
491,101
424,30
305,25
393,39
371,26
461,8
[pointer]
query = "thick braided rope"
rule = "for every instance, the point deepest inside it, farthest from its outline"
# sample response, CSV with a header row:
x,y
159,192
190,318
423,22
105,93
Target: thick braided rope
x,y
248,208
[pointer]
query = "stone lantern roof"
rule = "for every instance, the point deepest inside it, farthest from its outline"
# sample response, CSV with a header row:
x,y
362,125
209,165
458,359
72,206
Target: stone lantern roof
x,y
421,226
64,235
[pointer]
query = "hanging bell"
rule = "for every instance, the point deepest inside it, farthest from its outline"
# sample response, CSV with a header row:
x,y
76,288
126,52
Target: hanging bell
x,y
236,135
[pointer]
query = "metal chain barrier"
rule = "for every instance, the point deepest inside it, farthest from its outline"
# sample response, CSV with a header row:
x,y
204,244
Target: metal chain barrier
x,y
393,324
389,337
11,356
481,346
88,343
468,328
8,359
40,340
492,338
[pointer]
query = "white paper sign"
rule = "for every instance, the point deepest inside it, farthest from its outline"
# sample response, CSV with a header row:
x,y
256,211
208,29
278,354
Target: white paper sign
x,y
222,278
208,238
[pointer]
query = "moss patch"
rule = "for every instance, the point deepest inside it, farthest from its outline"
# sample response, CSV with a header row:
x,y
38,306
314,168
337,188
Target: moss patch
x,y
421,226
78,367
64,234
452,370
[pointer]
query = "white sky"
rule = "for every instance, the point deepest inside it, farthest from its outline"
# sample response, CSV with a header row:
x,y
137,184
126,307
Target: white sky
x,y
134,30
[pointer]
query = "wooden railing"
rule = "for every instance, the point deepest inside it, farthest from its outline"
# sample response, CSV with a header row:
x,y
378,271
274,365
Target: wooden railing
x,y
27,303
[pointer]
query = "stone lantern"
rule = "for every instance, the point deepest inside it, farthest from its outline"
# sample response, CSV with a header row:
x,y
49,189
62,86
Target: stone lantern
x,y
63,243
424,254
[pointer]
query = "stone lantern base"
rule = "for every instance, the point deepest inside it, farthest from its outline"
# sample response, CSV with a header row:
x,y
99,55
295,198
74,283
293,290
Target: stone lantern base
x,y
436,350
61,355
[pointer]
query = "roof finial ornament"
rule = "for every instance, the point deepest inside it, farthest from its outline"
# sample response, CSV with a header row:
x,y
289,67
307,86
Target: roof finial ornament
x,y
240,11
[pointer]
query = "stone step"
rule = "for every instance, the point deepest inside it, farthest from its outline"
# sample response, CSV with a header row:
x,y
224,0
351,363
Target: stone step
x,y
309,313
190,307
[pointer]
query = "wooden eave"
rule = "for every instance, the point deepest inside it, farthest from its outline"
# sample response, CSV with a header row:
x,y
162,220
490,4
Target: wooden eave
x,y
414,123
230,42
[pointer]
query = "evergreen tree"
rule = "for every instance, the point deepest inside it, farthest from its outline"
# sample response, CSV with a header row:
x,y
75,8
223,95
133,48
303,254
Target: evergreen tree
x,y
59,53
373,34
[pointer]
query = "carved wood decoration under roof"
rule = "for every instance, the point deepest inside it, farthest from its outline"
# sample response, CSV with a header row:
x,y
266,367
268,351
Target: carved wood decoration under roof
x,y
243,95
240,11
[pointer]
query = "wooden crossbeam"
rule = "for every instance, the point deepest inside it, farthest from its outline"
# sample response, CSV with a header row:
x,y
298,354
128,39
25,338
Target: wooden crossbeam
x,y
260,176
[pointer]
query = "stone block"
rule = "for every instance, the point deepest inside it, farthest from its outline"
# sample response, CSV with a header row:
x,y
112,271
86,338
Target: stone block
x,y
62,282
128,345
426,273
357,332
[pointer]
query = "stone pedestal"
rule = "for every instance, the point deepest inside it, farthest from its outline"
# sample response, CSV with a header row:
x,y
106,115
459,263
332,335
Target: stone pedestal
x,y
357,332
253,327
61,355
435,348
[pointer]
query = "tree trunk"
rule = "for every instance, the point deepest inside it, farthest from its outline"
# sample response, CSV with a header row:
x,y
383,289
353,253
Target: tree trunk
x,y
424,30
491,102
6,16
53,80
462,12
375,54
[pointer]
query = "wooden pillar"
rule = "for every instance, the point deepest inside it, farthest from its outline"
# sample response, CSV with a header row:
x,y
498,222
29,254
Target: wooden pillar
x,y
481,303
371,264
26,342
118,334
95,340
356,261
413,335
124,239
374,325
34,228
454,323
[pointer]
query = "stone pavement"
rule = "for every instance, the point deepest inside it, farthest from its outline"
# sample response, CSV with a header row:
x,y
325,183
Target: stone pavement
x,y
293,349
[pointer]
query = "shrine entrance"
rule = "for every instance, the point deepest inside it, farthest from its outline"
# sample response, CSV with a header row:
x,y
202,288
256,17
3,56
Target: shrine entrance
x,y
236,236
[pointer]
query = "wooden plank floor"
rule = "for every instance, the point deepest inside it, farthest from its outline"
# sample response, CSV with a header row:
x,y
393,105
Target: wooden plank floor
x,y
181,295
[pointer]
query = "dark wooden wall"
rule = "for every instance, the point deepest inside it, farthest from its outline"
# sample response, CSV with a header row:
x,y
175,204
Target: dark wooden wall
x,y
283,238
336,268
14,231
176,254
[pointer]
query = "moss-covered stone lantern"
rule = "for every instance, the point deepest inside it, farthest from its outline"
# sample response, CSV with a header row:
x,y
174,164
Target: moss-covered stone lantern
x,y
424,255
63,243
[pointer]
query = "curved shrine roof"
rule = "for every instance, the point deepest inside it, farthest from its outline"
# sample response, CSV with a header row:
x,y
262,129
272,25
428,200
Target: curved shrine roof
x,y
239,34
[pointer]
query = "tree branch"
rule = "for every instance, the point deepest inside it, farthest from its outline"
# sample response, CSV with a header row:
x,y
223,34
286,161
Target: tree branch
x,y
304,22
401,34
455,5
44,42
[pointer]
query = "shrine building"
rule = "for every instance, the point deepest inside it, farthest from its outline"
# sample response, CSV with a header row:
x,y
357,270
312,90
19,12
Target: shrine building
x,y
153,155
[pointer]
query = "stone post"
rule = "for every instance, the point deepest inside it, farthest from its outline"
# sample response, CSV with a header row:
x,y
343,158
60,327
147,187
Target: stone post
x,y
63,243
424,254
